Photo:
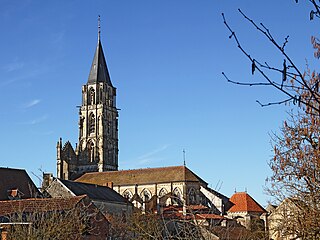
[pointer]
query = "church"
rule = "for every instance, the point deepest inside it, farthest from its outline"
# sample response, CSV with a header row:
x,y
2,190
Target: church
x,y
97,149
95,158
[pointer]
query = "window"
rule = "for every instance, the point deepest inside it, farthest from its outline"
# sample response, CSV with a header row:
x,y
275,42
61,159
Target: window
x,y
145,195
163,197
92,96
192,196
91,123
90,151
176,197
162,192
127,194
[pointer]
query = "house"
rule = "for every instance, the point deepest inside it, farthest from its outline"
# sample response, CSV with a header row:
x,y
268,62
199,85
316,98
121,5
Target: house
x,y
16,184
286,221
47,218
247,211
105,198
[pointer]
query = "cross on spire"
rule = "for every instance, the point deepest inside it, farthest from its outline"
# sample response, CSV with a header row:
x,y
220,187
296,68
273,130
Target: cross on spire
x,y
99,27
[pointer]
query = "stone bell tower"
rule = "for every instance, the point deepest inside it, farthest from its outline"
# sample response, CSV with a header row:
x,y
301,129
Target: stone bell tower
x,y
97,150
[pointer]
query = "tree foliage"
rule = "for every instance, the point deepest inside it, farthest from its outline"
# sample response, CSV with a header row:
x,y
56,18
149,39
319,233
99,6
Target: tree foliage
x,y
296,175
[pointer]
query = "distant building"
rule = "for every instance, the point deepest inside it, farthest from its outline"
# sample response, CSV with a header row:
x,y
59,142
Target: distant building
x,y
97,149
16,184
286,220
51,215
106,199
247,211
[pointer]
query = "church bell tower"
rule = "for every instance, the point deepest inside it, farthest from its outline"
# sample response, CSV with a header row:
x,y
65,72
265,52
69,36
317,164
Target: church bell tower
x,y
97,150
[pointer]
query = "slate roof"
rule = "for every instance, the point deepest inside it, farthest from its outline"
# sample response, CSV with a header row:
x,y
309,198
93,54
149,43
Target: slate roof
x,y
39,204
243,202
142,176
99,70
93,191
16,179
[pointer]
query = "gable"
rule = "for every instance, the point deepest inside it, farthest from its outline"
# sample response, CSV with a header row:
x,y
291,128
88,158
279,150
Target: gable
x,y
243,202
68,151
18,179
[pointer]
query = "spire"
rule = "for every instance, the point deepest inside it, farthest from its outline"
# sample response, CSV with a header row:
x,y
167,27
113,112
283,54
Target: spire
x,y
99,70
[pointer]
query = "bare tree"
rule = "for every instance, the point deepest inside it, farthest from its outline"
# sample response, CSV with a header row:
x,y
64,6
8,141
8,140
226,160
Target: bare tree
x,y
291,80
66,218
295,179
296,176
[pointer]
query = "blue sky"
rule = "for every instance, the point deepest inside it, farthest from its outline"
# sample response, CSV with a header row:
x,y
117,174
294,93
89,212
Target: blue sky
x,y
165,58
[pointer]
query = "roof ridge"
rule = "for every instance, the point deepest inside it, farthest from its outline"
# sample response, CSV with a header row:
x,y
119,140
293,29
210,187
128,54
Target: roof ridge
x,y
10,168
129,170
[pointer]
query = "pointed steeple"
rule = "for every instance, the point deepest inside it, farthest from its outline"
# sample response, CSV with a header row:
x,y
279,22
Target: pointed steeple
x,y
99,70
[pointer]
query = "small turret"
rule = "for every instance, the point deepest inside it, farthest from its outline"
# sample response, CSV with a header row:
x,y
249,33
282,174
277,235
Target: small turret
x,y
59,147
59,162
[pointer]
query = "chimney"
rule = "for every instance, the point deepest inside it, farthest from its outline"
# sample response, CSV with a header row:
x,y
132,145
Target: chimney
x,y
47,179
14,194
108,184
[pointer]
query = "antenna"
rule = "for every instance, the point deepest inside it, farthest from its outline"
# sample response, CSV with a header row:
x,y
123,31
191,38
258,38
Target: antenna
x,y
184,157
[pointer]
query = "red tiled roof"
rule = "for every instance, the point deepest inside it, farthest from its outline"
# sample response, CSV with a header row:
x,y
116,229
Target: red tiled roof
x,y
197,207
39,204
141,176
210,216
243,202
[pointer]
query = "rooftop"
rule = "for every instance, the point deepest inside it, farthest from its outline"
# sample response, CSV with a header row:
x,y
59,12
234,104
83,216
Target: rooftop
x,y
243,202
16,179
142,176
38,204
93,191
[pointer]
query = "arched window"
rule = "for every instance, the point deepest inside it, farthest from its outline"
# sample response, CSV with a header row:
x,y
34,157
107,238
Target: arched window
x,y
127,194
101,96
145,195
163,197
90,147
92,96
176,196
91,123
192,196
162,192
